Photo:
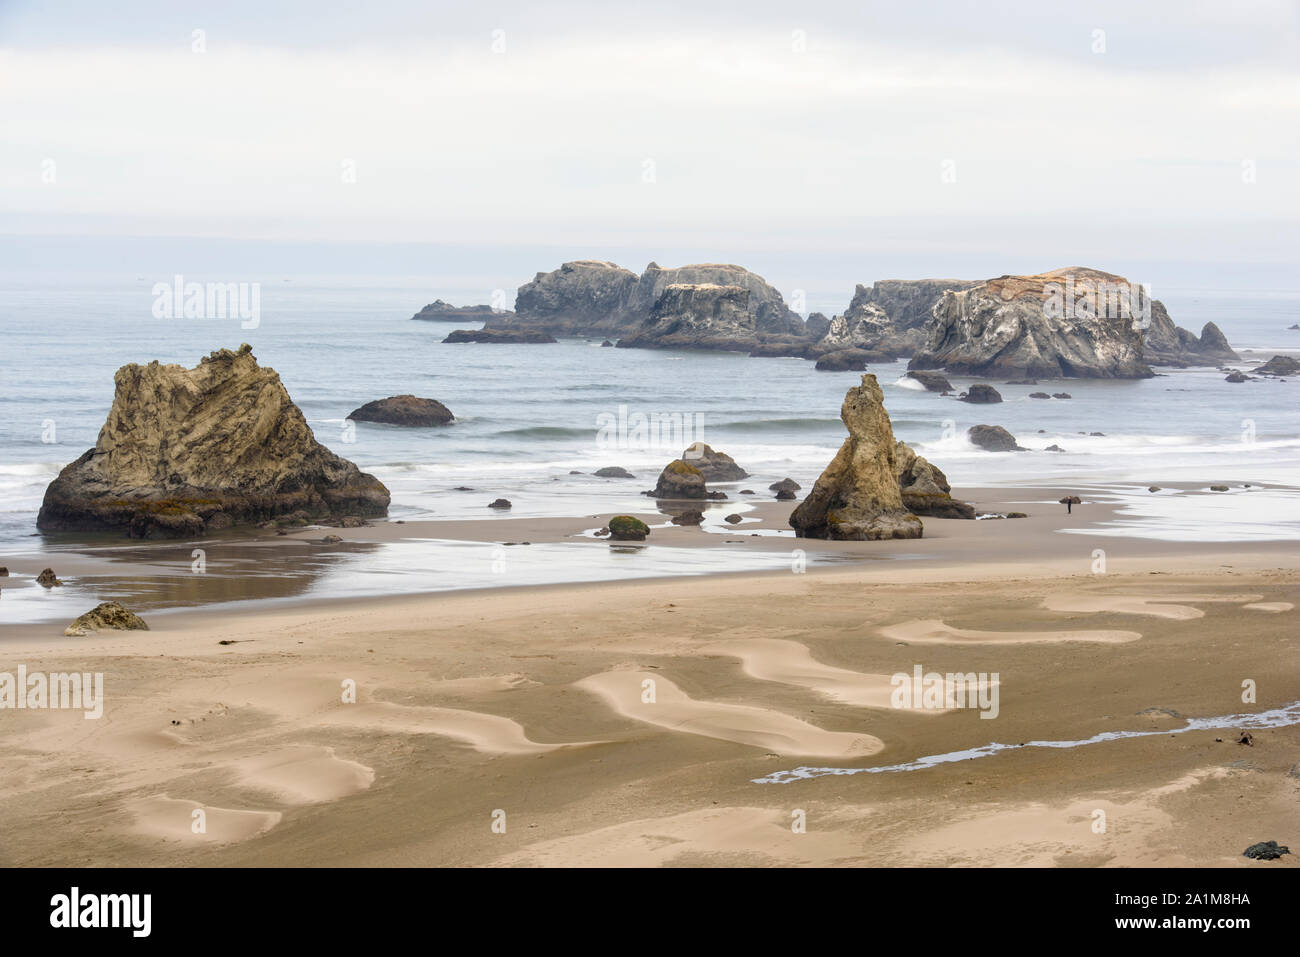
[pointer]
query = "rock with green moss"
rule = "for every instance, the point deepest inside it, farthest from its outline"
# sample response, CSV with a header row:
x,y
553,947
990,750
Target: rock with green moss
x,y
680,480
625,528
108,615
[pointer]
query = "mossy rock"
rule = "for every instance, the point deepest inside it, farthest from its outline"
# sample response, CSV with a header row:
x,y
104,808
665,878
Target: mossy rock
x,y
678,467
625,528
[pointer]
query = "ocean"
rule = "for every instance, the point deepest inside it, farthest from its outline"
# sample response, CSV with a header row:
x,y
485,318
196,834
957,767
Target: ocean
x,y
527,416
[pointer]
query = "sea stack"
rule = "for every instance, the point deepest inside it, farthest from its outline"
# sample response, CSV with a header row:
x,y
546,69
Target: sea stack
x,y
188,451
858,496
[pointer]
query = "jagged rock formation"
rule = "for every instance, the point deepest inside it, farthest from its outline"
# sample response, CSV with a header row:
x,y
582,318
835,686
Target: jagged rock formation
x,y
108,615
924,487
1165,344
403,410
908,303
189,450
864,327
764,303
713,465
439,311
857,497
1018,326
816,326
993,438
696,316
528,336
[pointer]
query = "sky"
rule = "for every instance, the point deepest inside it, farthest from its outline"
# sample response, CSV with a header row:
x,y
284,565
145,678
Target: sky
x,y
863,140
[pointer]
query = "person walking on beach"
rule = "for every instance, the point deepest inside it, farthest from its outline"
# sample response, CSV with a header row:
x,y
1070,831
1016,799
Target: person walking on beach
x,y
1070,501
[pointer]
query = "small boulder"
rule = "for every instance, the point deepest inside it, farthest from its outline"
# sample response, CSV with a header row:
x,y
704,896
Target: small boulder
x,y
499,335
732,519
407,410
332,539
612,471
1235,377
500,503
786,484
1265,851
48,579
680,480
1053,448
982,394
993,438
1062,395
1279,366
746,491
1039,395
1153,488
715,466
691,516
842,360
625,528
110,614
785,495
933,381
1218,488
607,344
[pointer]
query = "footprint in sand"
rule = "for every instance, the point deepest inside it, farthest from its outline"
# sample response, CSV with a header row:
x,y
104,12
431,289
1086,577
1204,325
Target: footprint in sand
x,y
791,663
489,733
172,819
758,727
1156,606
305,775
932,631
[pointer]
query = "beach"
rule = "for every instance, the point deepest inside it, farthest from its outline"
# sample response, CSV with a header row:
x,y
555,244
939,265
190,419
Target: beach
x,y
512,727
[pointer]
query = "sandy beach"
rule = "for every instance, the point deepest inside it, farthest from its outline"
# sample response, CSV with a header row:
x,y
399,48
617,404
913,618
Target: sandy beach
x,y
631,722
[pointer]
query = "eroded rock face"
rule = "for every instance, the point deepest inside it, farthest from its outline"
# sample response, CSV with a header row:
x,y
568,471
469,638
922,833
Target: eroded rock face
x,y
908,303
185,450
857,497
993,438
715,466
404,410
924,487
697,316
580,298
1279,366
764,303
1012,327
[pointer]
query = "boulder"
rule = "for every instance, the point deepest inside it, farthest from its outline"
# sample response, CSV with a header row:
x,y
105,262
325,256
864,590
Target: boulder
x,y
1266,851
1061,395
1020,327
404,410
108,615
857,497
689,516
785,495
528,336
715,466
993,438
1279,366
981,394
1218,488
501,503
439,311
679,480
733,519
612,471
1235,377
696,316
625,528
47,578
1039,395
924,487
933,381
785,485
218,444
607,344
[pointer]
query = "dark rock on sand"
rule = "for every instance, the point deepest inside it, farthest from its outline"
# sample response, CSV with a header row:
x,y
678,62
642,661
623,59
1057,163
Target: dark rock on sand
x,y
786,484
1266,851
185,448
857,497
404,410
108,615
47,578
612,471
499,335
680,480
690,516
332,539
982,394
785,495
993,438
733,519
625,528
1218,488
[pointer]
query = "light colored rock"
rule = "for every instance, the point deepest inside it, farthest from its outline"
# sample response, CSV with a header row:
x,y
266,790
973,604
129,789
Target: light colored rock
x,y
924,487
857,497
108,615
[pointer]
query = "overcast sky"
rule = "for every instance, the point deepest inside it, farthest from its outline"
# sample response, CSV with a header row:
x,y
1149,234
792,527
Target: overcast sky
x,y
1022,131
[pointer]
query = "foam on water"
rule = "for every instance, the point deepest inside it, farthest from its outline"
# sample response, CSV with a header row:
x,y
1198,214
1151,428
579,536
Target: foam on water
x,y
1275,718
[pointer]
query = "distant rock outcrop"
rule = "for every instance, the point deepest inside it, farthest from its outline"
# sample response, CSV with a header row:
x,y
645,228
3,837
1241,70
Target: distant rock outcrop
x,y
585,297
857,497
1022,327
527,336
764,303
1165,344
188,450
843,360
924,487
403,410
1279,366
697,316
439,311
908,303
